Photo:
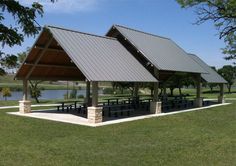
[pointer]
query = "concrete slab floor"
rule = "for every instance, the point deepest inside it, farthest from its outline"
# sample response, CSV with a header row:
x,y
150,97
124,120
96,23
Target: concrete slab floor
x,y
80,120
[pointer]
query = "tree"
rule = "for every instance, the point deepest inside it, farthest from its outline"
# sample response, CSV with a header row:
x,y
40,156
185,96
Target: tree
x,y
229,74
223,15
35,91
22,55
124,85
178,81
9,62
6,92
24,21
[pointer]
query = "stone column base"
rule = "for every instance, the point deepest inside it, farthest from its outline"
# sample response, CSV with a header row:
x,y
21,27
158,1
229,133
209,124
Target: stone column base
x,y
155,107
94,114
198,102
24,106
221,99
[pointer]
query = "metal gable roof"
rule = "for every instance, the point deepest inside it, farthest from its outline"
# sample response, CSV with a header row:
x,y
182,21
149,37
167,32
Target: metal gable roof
x,y
100,58
212,76
161,52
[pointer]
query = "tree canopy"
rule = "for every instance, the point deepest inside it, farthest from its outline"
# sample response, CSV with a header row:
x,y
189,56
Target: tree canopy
x,y
229,74
24,23
222,13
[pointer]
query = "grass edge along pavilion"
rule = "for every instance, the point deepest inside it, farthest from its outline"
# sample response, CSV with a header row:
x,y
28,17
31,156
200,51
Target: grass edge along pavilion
x,y
123,55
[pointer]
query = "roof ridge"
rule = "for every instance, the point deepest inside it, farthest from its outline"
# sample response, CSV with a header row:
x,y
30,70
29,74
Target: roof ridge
x,y
147,33
90,34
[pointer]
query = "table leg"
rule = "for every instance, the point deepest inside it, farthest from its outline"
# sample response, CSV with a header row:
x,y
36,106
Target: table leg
x,y
62,105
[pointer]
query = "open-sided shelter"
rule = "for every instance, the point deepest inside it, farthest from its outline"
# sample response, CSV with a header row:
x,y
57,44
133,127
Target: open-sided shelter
x,y
160,55
62,54
123,55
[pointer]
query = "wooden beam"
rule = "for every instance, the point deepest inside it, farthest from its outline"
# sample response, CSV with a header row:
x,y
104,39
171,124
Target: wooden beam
x,y
49,49
87,99
38,58
136,89
25,89
52,65
94,94
156,85
55,78
221,90
199,86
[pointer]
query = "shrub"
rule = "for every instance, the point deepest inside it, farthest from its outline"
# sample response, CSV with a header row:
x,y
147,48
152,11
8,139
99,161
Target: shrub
x,y
6,92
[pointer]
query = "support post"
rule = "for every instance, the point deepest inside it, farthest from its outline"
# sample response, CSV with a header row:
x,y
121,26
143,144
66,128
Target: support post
x,y
199,99
136,89
155,105
95,94
164,92
94,112
156,91
87,98
25,104
221,96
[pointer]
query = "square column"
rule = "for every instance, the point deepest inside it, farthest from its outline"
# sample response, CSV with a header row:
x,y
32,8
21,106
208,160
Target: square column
x,y
94,112
156,86
155,107
136,89
221,96
25,104
87,97
199,99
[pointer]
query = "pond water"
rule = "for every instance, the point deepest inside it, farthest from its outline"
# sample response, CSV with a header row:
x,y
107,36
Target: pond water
x,y
46,94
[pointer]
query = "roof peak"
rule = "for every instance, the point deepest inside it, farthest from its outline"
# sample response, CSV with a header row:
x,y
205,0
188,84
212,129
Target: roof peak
x,y
76,31
132,29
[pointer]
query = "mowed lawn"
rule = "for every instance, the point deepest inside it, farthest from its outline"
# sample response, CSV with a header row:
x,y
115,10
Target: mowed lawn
x,y
206,137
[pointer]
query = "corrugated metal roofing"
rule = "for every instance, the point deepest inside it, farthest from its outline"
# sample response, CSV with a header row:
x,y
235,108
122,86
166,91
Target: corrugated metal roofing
x,y
212,76
162,52
100,58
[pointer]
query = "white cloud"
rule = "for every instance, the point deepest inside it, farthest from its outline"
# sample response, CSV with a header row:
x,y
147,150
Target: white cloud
x,y
65,6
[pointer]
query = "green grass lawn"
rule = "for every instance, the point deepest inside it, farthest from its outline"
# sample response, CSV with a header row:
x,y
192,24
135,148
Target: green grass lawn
x,y
204,137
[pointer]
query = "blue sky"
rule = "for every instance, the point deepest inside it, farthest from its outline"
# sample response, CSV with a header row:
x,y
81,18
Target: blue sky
x,y
161,17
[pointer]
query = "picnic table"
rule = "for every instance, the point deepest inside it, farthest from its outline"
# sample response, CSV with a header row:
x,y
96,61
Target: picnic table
x,y
67,104
118,108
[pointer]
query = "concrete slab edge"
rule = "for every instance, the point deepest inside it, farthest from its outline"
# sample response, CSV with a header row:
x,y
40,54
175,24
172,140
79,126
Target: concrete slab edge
x,y
119,120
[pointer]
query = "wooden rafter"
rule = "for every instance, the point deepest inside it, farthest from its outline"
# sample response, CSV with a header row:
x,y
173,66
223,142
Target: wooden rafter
x,y
52,66
49,49
38,58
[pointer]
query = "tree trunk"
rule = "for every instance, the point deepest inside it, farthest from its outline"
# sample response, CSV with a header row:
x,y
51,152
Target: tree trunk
x,y
152,92
211,89
180,92
171,91
229,88
37,100
161,91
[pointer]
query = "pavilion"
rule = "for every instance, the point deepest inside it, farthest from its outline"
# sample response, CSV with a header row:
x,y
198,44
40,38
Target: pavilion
x,y
123,55
164,58
62,54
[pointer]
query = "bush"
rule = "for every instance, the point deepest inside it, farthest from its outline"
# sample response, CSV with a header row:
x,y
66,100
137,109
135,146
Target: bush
x,y
73,94
81,96
6,92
